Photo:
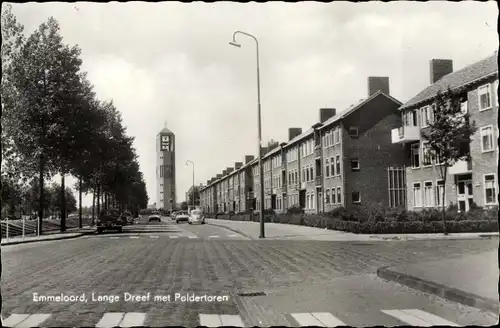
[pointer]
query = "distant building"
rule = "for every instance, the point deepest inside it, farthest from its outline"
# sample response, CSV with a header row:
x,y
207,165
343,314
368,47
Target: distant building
x,y
165,169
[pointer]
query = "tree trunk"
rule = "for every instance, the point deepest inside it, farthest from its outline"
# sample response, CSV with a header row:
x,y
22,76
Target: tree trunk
x,y
80,225
40,209
443,210
63,204
98,200
93,204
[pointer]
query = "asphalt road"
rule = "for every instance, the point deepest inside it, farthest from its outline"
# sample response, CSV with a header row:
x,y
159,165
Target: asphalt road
x,y
335,279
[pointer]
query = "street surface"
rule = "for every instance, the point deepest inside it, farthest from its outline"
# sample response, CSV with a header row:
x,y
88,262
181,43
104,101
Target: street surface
x,y
257,282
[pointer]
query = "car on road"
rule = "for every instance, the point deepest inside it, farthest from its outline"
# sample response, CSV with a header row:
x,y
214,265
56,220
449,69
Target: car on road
x,y
181,216
127,218
155,217
173,215
109,220
196,216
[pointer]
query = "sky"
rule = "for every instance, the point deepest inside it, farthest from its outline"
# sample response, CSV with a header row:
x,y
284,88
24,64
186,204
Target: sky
x,y
172,63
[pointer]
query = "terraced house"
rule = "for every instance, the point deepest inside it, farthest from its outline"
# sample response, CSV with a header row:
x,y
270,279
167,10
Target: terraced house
x,y
229,191
469,182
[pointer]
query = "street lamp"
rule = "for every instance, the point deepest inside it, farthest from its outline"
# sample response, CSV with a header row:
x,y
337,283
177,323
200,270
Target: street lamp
x,y
261,170
188,161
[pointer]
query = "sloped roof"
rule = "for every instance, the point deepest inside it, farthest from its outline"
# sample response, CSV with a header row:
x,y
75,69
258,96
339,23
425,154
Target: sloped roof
x,y
272,152
464,76
165,131
351,109
299,137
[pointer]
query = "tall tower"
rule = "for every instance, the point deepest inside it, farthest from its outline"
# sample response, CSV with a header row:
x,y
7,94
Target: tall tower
x,y
165,170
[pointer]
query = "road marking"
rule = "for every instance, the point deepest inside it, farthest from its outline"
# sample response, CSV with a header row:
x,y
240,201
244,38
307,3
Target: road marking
x,y
174,237
320,319
210,320
231,320
213,237
134,237
110,319
233,236
115,237
14,319
33,320
133,319
328,319
154,236
415,317
192,237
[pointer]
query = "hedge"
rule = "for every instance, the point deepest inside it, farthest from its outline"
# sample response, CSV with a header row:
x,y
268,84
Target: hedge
x,y
377,220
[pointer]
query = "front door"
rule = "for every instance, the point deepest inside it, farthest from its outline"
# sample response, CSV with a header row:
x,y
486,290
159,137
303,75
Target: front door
x,y
465,197
319,199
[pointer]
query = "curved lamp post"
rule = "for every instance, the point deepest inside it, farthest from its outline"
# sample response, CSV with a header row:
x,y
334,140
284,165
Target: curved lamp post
x,y
187,162
261,170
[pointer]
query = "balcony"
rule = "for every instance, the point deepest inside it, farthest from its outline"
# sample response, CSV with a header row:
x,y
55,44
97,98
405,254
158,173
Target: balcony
x,y
461,167
317,153
405,134
319,181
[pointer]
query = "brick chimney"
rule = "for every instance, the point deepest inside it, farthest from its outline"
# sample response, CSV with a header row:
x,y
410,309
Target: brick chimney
x,y
249,158
440,68
326,113
378,83
293,132
264,150
229,170
218,176
238,165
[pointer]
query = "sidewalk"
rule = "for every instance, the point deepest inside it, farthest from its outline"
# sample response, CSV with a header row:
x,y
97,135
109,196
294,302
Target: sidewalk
x,y
50,235
296,232
471,280
286,231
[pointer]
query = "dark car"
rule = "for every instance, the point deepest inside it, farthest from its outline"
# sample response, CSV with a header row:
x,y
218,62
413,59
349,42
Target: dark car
x,y
109,220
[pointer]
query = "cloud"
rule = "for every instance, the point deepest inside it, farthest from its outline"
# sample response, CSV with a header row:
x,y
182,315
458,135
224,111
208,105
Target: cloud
x,y
171,62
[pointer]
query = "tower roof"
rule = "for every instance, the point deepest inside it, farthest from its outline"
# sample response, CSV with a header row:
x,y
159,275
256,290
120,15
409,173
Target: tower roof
x,y
166,130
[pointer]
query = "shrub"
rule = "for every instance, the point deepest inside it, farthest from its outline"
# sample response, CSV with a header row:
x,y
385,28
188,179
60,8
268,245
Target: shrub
x,y
295,210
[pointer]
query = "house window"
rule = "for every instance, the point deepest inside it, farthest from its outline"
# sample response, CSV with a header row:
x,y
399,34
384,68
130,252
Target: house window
x,y
306,171
337,163
339,196
417,195
426,116
495,92
353,132
327,168
311,174
484,95
490,189
464,108
427,158
296,175
334,196
415,155
337,136
356,197
327,196
487,138
354,164
428,199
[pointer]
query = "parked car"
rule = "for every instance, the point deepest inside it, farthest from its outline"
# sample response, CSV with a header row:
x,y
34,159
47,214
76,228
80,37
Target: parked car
x,y
173,214
196,216
127,218
109,220
155,216
181,216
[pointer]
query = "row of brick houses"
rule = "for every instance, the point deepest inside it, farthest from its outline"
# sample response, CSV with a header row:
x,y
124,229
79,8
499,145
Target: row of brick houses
x,y
372,152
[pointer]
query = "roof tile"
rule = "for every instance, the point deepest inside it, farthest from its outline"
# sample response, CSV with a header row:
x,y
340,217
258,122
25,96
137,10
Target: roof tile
x,y
482,68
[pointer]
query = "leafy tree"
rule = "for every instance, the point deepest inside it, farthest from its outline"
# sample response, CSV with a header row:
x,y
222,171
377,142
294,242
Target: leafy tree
x,y
184,206
449,135
41,74
196,196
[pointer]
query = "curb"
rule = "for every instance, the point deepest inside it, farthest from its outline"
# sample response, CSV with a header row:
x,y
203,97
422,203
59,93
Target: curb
x,y
442,291
233,230
40,240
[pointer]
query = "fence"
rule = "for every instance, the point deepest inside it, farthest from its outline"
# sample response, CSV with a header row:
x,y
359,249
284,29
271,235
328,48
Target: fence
x,y
397,186
25,227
